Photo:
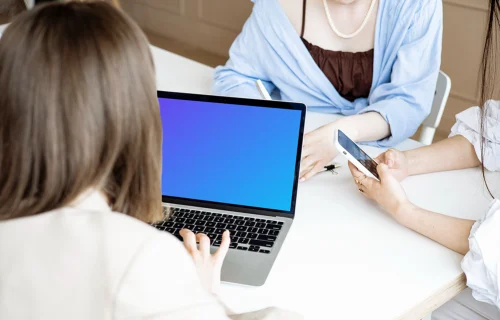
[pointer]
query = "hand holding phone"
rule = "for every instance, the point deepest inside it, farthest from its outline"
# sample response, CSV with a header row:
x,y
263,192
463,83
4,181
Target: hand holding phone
x,y
356,155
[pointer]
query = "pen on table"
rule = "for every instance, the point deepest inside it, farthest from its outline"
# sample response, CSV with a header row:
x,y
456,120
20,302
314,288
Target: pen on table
x,y
263,92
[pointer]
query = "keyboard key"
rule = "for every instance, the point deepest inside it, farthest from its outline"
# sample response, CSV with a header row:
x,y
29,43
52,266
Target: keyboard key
x,y
210,224
217,214
221,225
197,217
231,227
264,251
254,230
189,226
273,232
244,241
273,227
212,236
219,219
238,217
253,249
180,220
260,220
229,221
242,248
252,236
261,243
263,231
199,228
200,222
249,223
190,221
217,243
209,230
233,245
252,219
235,239
168,224
260,225
241,234
266,238
270,221
219,237
179,225
171,230
239,222
219,231
241,228
280,223
229,216
246,218
189,216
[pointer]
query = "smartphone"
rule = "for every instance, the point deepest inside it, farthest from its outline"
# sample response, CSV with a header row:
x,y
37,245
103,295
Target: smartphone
x,y
355,155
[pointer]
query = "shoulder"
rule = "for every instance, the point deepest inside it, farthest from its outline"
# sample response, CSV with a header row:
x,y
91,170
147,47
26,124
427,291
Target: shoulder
x,y
293,10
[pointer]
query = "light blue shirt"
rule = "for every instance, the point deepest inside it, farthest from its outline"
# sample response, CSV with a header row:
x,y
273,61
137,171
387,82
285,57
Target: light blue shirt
x,y
406,65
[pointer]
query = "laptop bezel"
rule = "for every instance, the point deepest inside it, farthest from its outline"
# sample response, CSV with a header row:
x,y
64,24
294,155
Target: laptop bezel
x,y
243,102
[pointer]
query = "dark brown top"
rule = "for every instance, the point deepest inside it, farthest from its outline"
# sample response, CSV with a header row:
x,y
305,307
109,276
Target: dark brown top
x,y
350,73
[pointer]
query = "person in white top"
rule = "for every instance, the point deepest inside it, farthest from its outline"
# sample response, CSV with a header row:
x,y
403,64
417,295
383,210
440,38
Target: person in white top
x,y
80,159
474,141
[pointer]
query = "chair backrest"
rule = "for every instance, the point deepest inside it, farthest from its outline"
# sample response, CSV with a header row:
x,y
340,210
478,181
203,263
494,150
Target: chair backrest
x,y
441,95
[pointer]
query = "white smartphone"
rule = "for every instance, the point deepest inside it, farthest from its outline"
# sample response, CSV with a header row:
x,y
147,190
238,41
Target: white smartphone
x,y
356,155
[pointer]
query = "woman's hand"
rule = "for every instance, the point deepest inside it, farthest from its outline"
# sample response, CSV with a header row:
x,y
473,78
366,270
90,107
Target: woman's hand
x,y
318,151
387,192
396,161
208,266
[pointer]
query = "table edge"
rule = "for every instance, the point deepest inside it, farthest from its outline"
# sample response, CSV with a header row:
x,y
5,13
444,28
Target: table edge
x,y
443,295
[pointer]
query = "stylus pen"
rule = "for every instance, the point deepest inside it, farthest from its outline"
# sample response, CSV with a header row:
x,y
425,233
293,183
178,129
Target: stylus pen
x,y
263,92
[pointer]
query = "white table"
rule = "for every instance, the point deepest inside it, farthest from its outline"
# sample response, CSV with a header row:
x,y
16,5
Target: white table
x,y
344,258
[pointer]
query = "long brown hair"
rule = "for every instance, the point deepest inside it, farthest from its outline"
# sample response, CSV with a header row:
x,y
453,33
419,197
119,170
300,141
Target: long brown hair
x,y
489,72
78,110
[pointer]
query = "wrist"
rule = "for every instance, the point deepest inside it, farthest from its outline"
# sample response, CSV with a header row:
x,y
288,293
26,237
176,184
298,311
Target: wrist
x,y
412,162
403,212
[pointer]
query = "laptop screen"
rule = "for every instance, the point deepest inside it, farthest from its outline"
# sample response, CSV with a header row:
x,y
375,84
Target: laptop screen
x,y
230,154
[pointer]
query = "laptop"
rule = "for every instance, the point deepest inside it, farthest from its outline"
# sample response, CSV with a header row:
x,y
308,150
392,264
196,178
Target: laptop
x,y
232,164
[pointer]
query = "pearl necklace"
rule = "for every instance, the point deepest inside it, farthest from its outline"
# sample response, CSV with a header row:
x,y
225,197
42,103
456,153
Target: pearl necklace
x,y
352,35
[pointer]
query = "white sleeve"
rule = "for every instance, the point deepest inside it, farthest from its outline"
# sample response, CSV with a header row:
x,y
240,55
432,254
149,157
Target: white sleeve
x,y
162,283
468,125
482,263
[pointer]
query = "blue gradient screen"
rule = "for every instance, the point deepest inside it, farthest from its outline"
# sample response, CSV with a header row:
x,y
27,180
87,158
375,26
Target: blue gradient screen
x,y
230,154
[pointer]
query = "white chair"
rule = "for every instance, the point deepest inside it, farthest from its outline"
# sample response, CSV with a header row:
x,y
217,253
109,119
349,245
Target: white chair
x,y
441,95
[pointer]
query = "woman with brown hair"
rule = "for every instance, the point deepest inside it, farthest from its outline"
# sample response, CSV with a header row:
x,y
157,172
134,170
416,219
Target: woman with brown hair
x,y
474,141
80,159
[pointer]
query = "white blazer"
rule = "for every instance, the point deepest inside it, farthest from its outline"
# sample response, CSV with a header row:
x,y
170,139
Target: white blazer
x,y
87,262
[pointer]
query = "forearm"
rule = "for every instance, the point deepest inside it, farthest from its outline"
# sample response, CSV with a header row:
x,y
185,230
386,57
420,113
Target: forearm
x,y
450,154
450,232
369,126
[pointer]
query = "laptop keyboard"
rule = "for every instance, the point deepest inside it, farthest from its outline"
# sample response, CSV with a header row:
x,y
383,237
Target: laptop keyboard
x,y
247,234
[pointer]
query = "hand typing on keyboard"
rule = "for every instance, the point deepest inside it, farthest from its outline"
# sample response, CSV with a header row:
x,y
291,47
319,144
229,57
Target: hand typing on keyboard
x,y
208,265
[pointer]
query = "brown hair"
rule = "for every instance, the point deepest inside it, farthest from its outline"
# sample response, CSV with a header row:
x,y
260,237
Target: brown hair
x,y
78,111
489,72
10,9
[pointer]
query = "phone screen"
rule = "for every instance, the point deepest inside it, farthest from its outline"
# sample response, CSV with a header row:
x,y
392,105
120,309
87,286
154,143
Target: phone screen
x,y
358,154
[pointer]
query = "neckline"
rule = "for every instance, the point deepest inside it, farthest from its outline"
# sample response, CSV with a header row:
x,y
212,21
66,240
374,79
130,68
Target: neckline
x,y
333,52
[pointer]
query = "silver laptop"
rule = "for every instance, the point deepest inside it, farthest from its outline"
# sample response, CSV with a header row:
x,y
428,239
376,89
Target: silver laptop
x,y
232,164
